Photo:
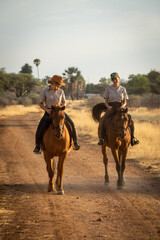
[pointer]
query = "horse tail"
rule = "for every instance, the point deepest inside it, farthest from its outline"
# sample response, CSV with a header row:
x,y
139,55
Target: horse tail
x,y
97,110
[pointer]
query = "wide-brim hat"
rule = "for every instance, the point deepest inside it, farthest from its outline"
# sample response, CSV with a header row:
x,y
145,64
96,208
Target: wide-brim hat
x,y
56,79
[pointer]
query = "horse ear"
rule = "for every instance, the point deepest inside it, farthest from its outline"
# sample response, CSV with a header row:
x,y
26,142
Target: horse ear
x,y
62,108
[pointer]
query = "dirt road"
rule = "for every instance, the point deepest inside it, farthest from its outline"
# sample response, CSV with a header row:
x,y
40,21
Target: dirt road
x,y
88,209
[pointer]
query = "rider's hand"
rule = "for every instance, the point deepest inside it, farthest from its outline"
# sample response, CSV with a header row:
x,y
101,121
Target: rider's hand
x,y
109,108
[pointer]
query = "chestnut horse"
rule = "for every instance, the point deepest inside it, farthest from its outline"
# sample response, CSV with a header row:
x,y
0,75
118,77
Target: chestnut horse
x,y
118,139
57,143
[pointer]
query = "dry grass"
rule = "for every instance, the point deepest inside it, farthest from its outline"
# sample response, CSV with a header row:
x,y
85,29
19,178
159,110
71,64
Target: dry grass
x,y
147,129
18,110
144,114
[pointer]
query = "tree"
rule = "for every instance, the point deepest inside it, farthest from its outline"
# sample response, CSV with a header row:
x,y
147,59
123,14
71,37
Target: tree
x,y
21,83
37,62
45,80
81,87
26,68
71,76
104,81
138,84
154,78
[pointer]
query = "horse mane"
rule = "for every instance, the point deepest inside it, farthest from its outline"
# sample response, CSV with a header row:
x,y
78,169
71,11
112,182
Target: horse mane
x,y
97,110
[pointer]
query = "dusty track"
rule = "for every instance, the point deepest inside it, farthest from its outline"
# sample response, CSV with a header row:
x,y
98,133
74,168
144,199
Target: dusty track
x,y
88,210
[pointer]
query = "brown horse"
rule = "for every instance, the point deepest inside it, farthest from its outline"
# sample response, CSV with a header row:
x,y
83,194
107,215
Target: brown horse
x,y
57,143
118,139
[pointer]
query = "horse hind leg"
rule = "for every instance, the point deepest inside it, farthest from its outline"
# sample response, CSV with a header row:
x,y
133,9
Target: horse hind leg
x,y
105,161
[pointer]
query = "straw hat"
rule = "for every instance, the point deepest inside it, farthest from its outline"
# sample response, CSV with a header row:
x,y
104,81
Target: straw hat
x,y
56,79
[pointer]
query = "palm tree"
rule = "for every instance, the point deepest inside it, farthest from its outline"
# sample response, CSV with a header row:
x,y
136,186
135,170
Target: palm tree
x,y
71,77
37,62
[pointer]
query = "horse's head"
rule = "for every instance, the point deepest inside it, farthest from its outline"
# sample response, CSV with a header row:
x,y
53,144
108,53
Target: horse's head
x,y
121,122
57,118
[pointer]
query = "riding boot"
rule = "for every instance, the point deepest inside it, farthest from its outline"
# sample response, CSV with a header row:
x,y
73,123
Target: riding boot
x,y
42,127
134,141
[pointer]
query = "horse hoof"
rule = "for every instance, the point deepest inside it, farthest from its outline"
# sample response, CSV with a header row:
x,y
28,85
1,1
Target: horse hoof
x,y
61,192
106,183
119,187
50,189
123,183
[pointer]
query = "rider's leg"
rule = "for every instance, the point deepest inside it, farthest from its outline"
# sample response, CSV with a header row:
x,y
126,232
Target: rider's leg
x,y
42,126
74,132
103,129
134,141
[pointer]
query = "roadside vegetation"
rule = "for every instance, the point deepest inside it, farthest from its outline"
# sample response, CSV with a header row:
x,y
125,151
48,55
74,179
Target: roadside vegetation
x,y
23,88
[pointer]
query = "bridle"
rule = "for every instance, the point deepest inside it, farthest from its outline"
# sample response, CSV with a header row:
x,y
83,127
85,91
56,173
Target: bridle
x,y
124,128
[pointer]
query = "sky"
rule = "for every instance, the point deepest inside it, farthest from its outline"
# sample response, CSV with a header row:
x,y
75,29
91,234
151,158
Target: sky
x,y
96,36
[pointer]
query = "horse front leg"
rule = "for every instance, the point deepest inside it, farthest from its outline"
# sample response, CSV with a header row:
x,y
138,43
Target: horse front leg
x,y
124,155
60,170
116,156
105,161
50,170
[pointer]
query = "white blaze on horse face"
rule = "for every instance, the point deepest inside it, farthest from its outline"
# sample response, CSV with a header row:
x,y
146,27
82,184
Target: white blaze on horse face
x,y
122,116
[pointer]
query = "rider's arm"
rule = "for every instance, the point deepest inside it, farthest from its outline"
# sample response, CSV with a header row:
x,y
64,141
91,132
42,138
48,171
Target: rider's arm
x,y
107,105
63,101
124,102
44,108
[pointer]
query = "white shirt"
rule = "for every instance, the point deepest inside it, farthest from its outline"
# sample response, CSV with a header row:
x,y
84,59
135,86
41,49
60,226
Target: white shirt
x,y
50,97
114,95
